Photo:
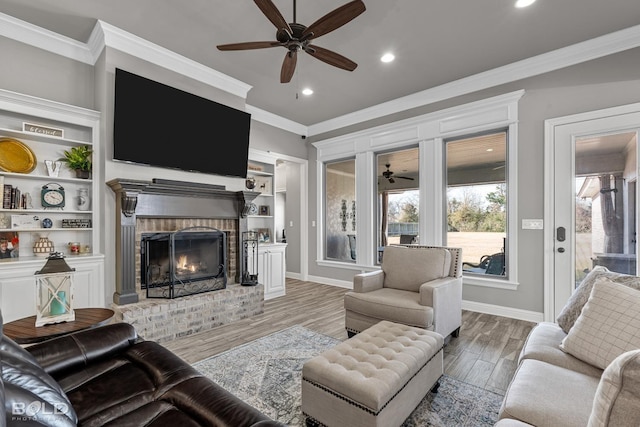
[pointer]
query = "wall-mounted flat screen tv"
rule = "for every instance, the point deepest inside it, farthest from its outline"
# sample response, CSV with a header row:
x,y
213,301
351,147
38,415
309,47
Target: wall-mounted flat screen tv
x,y
158,125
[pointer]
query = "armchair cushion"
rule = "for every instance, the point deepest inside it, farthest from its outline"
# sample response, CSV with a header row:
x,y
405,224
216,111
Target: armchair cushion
x,y
407,268
390,304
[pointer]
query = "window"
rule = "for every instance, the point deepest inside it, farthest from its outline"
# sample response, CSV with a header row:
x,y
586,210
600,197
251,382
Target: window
x,y
398,198
340,214
476,201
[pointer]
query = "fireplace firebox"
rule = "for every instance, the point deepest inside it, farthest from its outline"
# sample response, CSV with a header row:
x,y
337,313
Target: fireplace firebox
x,y
185,262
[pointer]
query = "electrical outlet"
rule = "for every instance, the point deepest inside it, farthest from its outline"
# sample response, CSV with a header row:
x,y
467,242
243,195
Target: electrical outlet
x,y
532,224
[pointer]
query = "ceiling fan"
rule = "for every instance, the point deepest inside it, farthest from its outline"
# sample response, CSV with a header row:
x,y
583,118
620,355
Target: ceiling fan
x,y
294,36
388,174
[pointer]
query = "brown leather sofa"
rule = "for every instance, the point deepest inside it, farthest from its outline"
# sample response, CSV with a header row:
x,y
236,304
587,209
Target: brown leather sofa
x,y
108,376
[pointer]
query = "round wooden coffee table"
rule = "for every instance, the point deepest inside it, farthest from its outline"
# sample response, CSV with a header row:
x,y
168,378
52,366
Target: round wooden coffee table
x,y
24,331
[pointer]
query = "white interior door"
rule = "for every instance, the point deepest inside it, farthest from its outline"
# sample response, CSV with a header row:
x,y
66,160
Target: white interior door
x,y
591,166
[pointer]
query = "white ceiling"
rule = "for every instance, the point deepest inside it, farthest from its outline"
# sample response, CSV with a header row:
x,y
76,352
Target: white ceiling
x,y
435,41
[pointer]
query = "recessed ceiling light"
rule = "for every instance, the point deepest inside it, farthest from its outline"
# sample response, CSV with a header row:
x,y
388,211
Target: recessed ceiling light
x,y
387,57
524,3
489,149
307,91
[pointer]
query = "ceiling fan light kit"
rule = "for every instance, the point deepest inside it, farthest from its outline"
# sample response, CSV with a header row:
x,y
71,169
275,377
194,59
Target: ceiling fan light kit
x,y
294,36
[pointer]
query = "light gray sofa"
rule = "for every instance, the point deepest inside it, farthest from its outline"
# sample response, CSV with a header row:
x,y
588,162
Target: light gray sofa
x,y
583,370
418,286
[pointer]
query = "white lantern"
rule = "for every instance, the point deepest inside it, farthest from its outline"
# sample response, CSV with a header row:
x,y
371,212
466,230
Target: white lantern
x,y
54,291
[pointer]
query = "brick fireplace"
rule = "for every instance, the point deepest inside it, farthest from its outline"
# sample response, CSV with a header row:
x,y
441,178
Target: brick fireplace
x,y
168,206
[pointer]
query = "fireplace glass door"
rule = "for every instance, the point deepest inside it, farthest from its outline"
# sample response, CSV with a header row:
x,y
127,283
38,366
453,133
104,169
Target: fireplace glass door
x,y
183,263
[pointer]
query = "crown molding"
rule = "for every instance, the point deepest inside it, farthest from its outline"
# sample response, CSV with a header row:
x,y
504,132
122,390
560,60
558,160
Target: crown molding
x,y
588,50
136,46
24,32
104,35
275,120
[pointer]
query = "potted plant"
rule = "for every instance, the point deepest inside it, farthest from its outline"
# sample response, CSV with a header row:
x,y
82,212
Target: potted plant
x,y
79,159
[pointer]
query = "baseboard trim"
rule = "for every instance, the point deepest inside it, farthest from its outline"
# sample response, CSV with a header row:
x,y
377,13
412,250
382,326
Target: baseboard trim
x,y
333,282
498,310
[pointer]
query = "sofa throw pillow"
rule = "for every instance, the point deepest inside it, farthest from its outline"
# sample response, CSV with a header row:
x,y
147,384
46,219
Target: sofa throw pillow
x,y
608,326
618,393
578,299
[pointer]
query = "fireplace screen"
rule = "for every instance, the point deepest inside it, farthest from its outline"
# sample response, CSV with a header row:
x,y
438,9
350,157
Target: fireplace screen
x,y
185,262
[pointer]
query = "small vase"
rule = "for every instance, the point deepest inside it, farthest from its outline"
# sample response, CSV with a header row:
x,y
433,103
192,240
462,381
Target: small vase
x,y
83,174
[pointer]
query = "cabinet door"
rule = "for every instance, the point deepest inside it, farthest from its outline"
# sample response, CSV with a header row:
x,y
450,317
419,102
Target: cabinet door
x,y
17,297
276,273
263,269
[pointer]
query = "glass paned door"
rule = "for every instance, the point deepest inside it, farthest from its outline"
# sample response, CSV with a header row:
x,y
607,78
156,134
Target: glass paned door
x,y
595,210
605,211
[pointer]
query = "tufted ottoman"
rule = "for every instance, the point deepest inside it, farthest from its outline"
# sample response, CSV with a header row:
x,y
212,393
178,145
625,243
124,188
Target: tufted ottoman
x,y
376,378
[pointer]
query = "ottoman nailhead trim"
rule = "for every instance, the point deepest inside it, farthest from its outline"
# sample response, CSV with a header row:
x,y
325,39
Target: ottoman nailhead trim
x,y
359,405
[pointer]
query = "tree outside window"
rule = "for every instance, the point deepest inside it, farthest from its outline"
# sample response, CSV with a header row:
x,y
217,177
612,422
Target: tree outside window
x,y
477,202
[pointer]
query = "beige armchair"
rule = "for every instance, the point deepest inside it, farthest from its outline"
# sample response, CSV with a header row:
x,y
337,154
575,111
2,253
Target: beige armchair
x,y
417,286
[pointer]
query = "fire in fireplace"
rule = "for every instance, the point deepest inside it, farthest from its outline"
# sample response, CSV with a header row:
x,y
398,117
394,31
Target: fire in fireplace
x,y
185,262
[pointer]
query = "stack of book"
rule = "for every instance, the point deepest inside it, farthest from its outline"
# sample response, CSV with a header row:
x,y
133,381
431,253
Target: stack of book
x,y
11,196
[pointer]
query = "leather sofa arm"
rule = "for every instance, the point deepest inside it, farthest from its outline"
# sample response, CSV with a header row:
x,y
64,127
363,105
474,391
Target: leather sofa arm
x,y
445,296
81,348
367,282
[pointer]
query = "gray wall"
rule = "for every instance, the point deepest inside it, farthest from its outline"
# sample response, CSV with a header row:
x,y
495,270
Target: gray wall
x,y
599,84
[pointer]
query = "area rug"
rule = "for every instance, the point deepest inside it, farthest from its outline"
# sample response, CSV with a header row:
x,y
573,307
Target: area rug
x,y
266,373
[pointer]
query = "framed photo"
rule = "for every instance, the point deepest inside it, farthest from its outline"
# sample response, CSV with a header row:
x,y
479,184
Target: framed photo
x,y
264,235
264,210
9,245
263,184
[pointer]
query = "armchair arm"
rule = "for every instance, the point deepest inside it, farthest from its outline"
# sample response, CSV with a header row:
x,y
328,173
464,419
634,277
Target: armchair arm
x,y
445,296
81,348
367,282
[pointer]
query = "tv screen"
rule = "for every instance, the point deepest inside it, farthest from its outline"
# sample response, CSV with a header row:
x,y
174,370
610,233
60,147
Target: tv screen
x,y
158,125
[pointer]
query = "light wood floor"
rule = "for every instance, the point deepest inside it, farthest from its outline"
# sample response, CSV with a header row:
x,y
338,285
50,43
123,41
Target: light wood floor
x,y
485,353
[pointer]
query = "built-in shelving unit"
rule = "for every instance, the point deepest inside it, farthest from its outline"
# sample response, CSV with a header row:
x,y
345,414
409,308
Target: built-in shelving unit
x,y
263,219
30,221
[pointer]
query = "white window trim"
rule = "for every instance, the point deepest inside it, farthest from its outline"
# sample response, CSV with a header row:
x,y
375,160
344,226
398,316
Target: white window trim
x,y
428,131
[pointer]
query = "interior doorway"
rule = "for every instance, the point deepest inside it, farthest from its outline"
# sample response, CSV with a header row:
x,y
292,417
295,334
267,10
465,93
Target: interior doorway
x,y
291,204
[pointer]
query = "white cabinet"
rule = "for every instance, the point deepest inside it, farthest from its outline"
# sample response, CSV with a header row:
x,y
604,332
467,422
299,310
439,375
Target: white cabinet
x,y
18,286
57,128
272,268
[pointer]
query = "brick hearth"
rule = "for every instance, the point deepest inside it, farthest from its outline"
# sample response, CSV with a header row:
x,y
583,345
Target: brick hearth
x,y
165,320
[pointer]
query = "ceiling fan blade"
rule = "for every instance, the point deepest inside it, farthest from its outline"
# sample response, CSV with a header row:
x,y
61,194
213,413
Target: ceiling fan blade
x,y
273,14
248,45
334,19
288,66
331,57
405,177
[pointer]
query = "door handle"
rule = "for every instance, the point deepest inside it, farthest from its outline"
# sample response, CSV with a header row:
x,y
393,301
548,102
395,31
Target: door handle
x,y
561,234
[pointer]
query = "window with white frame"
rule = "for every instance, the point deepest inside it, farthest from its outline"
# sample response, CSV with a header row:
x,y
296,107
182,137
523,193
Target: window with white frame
x,y
441,142
340,211
476,201
398,198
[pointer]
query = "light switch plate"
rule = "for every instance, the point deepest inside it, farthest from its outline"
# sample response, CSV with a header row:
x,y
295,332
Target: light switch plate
x,y
532,224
